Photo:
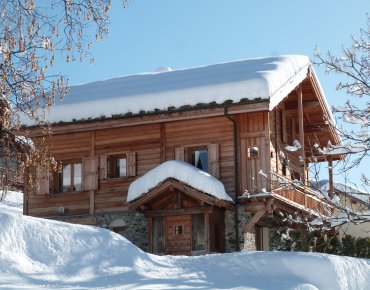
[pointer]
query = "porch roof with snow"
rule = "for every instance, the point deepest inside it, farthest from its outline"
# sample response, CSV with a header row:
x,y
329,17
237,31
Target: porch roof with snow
x,y
268,79
210,189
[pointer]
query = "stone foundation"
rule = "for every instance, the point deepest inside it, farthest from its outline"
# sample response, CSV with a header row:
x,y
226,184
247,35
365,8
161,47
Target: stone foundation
x,y
133,226
230,237
249,242
129,224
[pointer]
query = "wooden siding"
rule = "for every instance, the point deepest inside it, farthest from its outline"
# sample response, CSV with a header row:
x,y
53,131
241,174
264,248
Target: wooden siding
x,y
150,144
199,132
254,131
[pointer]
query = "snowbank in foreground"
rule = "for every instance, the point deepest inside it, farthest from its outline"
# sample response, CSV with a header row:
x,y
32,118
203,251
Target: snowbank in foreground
x,y
37,253
13,201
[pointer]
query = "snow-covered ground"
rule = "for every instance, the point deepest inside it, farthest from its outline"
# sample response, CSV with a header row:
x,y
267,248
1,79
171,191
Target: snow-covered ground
x,y
43,254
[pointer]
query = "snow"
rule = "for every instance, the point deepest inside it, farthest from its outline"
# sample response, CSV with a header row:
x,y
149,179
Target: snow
x,y
13,201
345,149
44,254
295,147
359,194
271,78
180,171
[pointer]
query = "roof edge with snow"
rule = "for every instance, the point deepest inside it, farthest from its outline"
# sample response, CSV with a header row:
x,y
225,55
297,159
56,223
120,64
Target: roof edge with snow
x,y
182,172
251,80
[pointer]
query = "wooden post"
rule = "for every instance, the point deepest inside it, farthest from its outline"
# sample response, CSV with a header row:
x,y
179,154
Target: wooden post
x,y
207,232
301,132
331,181
163,142
92,154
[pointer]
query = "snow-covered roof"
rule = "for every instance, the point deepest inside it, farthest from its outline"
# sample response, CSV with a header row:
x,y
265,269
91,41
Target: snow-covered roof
x,y
180,171
347,189
270,78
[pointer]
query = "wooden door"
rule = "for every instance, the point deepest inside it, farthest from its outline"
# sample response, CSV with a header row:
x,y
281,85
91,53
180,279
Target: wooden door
x,y
158,235
198,234
178,235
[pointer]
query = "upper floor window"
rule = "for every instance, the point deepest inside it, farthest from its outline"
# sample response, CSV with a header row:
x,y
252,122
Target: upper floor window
x,y
198,157
204,157
117,165
253,152
70,179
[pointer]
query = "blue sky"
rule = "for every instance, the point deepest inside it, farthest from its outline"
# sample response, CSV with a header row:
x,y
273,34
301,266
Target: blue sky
x,y
181,34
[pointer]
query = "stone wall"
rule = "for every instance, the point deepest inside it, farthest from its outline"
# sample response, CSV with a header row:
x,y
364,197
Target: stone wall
x,y
230,237
131,225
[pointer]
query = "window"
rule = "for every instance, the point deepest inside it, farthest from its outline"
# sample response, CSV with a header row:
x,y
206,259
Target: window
x,y
117,166
198,157
178,230
253,152
70,179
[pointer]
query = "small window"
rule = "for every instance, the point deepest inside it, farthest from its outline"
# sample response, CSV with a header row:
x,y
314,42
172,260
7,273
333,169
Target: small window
x,y
70,178
198,157
178,230
117,166
253,152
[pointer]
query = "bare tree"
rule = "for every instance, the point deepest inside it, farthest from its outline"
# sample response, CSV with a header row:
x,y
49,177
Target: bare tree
x,y
353,66
32,35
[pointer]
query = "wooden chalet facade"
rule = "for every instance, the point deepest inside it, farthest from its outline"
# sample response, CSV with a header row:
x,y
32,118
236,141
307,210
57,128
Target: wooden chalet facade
x,y
239,141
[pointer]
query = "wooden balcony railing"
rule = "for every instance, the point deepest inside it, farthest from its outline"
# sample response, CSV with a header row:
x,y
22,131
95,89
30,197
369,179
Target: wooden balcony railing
x,y
303,195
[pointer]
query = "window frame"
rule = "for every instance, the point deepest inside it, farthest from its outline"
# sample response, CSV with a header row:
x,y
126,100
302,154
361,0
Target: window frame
x,y
109,167
176,230
58,187
189,154
249,155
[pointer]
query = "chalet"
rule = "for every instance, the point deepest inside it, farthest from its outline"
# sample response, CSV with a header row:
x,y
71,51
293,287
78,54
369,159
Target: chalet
x,y
242,135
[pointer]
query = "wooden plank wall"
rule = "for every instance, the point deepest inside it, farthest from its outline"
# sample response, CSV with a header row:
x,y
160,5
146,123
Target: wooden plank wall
x,y
283,134
254,130
145,141
217,130
70,146
153,144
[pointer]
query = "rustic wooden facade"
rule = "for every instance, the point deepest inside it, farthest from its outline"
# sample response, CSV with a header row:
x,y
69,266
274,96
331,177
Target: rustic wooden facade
x,y
11,153
245,144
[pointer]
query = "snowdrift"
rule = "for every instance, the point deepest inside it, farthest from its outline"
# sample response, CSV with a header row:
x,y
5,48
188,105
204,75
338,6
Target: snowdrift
x,y
37,253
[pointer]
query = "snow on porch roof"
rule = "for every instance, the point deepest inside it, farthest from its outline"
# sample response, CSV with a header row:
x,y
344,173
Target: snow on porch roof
x,y
180,171
270,78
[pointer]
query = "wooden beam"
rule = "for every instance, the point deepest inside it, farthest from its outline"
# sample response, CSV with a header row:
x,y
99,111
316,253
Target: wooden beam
x,y
181,211
257,216
331,181
163,142
252,206
150,234
207,232
306,104
301,132
92,154
152,118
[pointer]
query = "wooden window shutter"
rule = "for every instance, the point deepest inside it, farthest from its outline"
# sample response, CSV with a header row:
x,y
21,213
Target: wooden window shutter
x,y
90,173
42,180
103,167
213,160
180,153
131,163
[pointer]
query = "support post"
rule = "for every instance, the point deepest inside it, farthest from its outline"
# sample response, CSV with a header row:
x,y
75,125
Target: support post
x,y
92,192
301,132
331,181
